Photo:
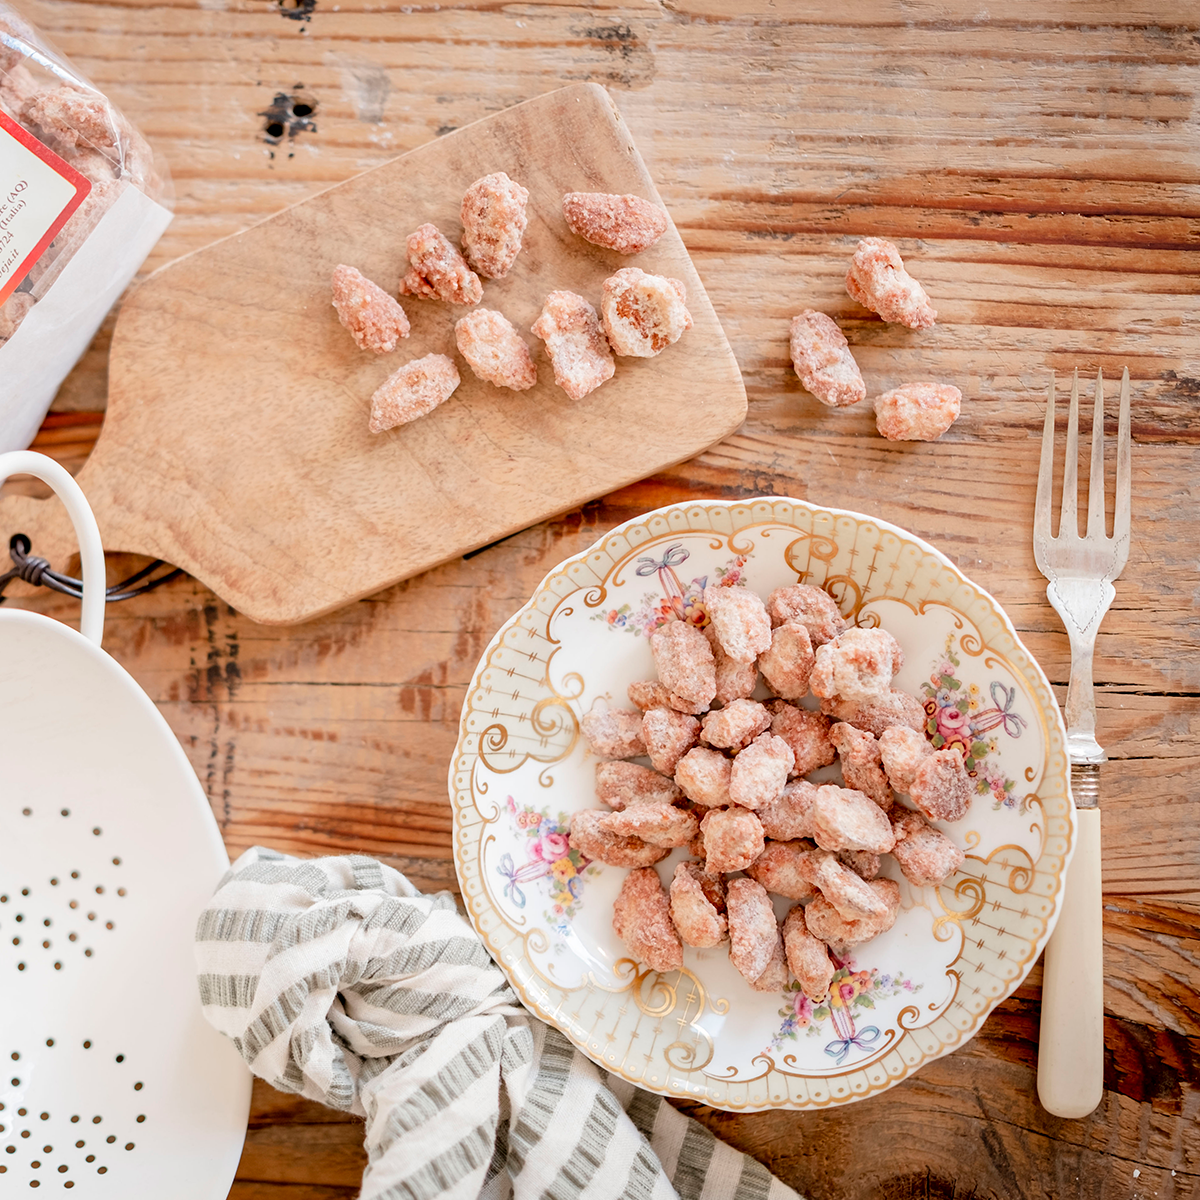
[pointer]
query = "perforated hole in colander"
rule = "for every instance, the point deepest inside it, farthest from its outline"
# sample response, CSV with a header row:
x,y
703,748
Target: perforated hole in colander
x,y
59,1144
52,921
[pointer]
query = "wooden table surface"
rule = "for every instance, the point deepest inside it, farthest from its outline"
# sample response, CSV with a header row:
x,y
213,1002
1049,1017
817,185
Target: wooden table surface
x,y
1040,165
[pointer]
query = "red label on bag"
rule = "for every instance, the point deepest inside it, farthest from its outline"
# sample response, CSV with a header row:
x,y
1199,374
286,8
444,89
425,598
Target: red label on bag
x,y
38,194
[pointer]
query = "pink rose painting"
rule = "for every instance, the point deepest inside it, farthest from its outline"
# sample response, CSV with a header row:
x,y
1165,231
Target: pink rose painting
x,y
955,719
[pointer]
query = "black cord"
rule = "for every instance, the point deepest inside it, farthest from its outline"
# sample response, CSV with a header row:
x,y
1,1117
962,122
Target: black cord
x,y
36,571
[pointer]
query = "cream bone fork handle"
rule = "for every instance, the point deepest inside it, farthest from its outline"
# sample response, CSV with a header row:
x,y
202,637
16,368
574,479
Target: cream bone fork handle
x,y
1080,571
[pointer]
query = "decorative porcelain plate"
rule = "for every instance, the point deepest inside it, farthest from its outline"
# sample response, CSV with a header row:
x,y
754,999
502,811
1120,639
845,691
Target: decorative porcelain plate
x,y
522,768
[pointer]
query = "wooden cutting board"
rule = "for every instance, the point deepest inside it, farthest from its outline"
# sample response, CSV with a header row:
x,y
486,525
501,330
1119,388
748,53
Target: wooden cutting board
x,y
236,445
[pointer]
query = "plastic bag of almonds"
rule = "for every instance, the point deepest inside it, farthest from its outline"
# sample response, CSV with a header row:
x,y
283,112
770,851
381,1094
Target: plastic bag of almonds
x,y
82,203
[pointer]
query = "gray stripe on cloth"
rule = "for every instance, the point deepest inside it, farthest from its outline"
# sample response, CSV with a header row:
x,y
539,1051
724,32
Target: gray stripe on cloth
x,y
368,872
227,991
544,1095
239,925
461,951
518,1049
694,1157
644,1174
642,1110
416,1002
442,1173
755,1181
454,1078
298,873
588,1155
499,1163
365,983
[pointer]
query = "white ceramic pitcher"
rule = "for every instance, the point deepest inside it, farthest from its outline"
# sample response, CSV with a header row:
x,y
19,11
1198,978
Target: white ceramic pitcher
x,y
111,1082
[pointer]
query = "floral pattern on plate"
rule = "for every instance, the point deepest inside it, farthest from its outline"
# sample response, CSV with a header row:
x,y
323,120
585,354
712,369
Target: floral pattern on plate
x,y
551,862
853,993
958,718
522,767
677,600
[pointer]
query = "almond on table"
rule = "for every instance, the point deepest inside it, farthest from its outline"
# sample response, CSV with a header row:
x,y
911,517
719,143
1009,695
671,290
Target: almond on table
x,y
926,855
627,224
760,772
643,314
614,733
375,320
917,412
753,930
806,733
787,868
623,784
733,839
578,350
494,222
415,389
878,280
740,621
593,841
704,776
856,665
822,359
878,712
642,920
811,607
862,769
696,918
438,270
668,735
735,680
941,787
494,350
684,661
787,663
808,957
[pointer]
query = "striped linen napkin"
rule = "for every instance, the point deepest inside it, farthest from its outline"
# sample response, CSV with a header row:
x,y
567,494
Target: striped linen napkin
x,y
338,980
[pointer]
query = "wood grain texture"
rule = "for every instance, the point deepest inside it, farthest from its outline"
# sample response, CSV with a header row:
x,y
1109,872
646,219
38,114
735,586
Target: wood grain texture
x,y
1040,167
220,353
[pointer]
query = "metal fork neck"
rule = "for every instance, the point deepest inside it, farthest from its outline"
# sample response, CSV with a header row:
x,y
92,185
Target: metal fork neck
x,y
1081,603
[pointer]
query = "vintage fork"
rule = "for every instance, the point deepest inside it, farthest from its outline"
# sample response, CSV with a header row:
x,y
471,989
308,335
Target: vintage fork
x,y
1080,571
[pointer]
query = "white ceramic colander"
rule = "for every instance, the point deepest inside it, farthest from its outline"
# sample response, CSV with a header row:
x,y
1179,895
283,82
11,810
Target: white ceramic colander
x,y
111,1082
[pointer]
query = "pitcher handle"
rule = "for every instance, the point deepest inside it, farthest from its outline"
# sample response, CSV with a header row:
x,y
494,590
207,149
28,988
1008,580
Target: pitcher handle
x,y
91,550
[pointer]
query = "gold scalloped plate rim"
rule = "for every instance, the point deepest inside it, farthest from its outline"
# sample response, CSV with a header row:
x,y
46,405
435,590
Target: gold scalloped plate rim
x,y
900,1058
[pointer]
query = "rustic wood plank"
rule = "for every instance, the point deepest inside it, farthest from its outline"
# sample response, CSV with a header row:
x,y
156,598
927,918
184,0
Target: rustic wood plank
x,y
328,1155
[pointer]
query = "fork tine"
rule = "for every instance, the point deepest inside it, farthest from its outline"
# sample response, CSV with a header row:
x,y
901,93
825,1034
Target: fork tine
x,y
1121,514
1068,519
1095,525
1045,479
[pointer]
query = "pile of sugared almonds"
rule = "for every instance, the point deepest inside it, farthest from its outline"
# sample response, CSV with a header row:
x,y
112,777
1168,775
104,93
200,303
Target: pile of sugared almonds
x,y
726,780
877,279
640,314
